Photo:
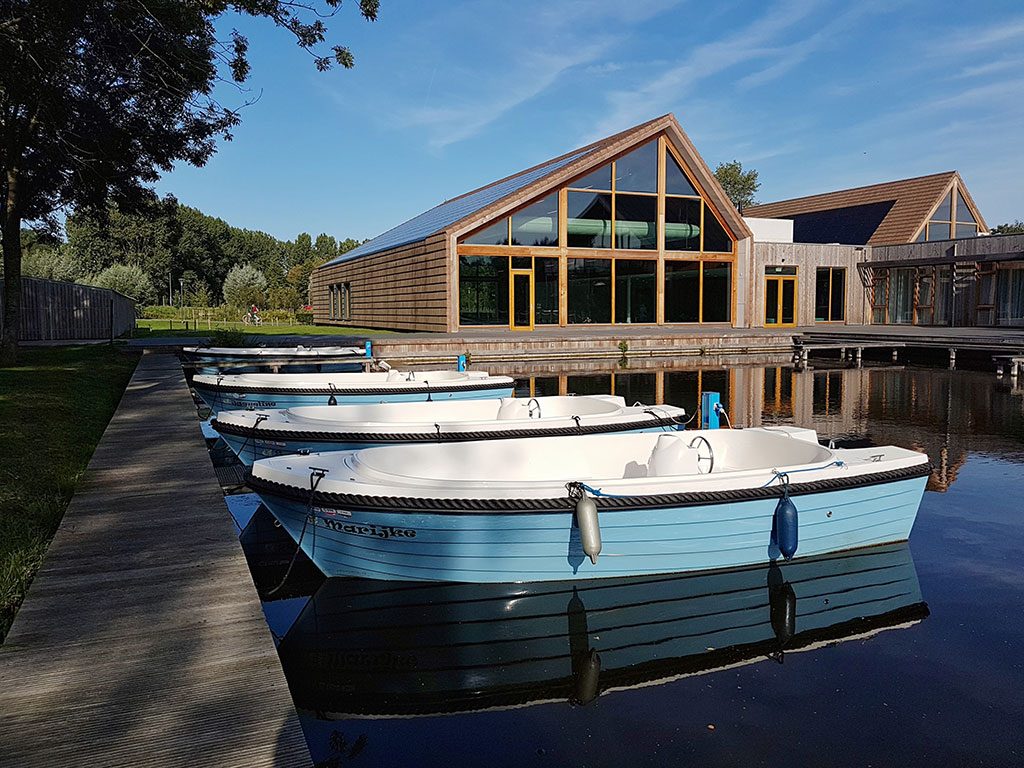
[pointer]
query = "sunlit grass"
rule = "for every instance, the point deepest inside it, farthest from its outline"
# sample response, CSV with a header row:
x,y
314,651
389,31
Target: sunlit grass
x,y
159,327
55,405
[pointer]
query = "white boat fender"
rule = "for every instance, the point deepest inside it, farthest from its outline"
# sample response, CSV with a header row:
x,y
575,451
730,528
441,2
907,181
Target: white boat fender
x,y
587,521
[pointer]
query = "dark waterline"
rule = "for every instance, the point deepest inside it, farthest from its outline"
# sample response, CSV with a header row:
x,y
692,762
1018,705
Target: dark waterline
x,y
901,655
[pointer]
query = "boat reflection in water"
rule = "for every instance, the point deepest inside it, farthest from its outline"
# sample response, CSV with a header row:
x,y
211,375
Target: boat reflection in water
x,y
376,649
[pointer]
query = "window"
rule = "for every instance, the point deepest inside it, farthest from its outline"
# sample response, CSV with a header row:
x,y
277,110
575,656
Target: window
x,y
589,219
966,225
830,295
495,234
483,290
590,290
537,224
698,292
636,219
947,222
682,291
545,291
635,291
339,304
682,224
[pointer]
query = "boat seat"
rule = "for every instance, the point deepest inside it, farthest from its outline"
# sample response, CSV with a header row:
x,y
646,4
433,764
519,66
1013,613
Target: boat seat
x,y
512,408
672,456
396,376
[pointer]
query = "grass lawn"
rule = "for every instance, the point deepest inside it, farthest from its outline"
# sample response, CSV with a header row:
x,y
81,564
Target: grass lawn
x,y
54,406
153,328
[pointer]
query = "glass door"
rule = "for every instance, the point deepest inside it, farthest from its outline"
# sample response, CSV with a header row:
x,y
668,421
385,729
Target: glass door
x,y
901,295
780,300
521,300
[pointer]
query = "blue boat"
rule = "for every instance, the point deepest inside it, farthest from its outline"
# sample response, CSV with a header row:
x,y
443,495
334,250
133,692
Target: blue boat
x,y
588,507
363,648
297,359
260,434
291,390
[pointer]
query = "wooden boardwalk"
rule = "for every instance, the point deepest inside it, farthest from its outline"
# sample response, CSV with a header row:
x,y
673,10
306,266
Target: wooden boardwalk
x,y
142,641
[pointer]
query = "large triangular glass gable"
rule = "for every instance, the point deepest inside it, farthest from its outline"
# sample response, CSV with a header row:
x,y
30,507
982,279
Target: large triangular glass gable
x,y
676,182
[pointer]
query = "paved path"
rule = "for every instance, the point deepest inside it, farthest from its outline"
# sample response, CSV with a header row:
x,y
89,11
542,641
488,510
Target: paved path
x,y
141,641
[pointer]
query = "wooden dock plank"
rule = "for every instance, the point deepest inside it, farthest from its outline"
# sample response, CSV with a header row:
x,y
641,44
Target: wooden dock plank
x,y
142,641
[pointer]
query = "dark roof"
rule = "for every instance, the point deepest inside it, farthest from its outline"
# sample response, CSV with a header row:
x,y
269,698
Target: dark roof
x,y
442,217
878,214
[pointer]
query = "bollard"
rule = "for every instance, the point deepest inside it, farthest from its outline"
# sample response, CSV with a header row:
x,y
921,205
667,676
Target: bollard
x,y
708,410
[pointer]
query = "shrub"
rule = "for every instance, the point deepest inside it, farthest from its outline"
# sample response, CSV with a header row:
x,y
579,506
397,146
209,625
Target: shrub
x,y
303,317
244,286
129,280
284,297
228,338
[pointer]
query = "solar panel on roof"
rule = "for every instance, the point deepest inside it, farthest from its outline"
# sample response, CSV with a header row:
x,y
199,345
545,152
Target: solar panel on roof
x,y
447,213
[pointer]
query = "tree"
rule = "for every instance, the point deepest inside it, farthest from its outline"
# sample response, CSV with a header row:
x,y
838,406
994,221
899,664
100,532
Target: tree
x,y
1015,228
129,280
98,98
739,185
244,286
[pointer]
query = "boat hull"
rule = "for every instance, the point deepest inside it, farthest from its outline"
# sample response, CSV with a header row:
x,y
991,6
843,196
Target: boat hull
x,y
249,449
223,399
507,542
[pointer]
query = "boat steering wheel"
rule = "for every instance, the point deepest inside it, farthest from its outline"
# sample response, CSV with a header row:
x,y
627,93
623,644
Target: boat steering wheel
x,y
710,458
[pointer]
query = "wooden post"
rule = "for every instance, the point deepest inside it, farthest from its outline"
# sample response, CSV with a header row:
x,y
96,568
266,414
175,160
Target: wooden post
x,y
952,358
858,353
895,354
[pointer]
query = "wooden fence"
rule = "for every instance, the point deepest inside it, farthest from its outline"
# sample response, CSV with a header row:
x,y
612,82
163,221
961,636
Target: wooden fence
x,y
52,311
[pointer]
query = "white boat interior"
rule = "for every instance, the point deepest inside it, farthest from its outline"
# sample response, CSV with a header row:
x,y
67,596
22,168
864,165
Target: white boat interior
x,y
621,464
383,379
453,415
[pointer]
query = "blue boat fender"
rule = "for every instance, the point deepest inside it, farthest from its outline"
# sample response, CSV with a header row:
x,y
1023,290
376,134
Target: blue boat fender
x,y
786,526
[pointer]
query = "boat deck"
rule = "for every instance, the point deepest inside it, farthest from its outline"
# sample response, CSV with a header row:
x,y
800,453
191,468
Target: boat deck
x,y
141,641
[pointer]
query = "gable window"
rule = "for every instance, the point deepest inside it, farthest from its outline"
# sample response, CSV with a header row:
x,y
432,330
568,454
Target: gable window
x,y
949,222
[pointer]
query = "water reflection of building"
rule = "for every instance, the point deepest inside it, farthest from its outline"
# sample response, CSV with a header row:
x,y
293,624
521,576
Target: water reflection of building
x,y
945,414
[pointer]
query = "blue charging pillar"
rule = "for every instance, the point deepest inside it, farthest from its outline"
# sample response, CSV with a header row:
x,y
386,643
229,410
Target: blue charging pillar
x,y
461,363
709,410
369,349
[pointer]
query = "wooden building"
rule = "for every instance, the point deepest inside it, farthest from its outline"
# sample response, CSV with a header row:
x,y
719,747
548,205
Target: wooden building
x,y
904,252
632,230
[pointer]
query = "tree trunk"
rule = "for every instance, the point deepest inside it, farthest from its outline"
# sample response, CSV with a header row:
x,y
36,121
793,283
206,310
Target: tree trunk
x,y
11,241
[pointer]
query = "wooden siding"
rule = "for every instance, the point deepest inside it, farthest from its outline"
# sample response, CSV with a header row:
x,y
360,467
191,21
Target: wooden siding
x,y
405,288
991,248
807,257
57,311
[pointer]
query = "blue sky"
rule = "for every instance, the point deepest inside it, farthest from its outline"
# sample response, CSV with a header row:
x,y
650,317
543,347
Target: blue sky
x,y
815,94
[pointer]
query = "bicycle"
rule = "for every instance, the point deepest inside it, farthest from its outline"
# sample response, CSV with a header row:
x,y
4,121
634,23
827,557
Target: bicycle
x,y
252,318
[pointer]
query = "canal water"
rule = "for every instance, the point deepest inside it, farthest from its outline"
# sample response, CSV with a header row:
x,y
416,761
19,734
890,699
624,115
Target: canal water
x,y
899,655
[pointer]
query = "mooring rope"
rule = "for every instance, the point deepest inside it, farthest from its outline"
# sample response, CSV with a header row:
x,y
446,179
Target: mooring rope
x,y
315,476
784,476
